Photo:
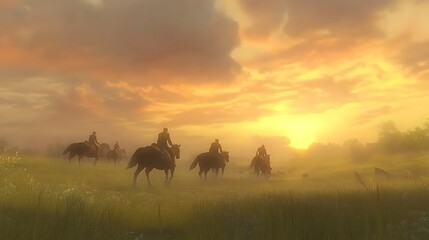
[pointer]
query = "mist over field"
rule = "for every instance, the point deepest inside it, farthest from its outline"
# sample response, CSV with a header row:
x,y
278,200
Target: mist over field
x,y
214,119
329,191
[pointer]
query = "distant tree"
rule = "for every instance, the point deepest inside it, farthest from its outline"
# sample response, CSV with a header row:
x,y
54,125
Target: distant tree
x,y
355,150
393,141
390,138
320,150
416,139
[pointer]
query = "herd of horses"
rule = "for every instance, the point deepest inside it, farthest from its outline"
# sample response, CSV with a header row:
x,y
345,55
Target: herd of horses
x,y
152,157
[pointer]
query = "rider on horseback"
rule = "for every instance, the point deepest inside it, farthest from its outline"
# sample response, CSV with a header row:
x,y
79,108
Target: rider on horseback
x,y
216,149
93,142
262,153
116,148
164,142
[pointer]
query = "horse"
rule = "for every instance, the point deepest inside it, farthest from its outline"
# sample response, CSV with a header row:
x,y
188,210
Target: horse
x,y
261,166
151,157
122,154
113,155
208,161
103,151
81,149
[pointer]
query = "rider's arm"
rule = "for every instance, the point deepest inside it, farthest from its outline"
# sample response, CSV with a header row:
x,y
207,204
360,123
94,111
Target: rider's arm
x,y
169,140
220,147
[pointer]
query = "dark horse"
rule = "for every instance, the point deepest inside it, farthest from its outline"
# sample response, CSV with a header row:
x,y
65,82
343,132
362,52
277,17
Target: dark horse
x,y
208,161
103,150
81,149
113,155
151,157
261,166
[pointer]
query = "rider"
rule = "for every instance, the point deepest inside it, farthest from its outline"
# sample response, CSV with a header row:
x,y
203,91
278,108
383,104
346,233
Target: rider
x,y
93,141
116,148
216,149
262,152
164,142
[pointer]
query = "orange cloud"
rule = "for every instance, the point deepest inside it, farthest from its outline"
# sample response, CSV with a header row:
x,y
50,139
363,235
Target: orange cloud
x,y
160,41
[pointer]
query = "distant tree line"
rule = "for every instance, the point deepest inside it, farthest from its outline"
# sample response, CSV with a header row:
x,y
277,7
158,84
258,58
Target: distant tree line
x,y
390,140
394,141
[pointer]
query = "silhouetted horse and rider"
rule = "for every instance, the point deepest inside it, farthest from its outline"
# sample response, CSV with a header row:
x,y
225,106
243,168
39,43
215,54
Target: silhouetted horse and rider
x,y
114,154
215,159
157,156
207,161
261,163
84,149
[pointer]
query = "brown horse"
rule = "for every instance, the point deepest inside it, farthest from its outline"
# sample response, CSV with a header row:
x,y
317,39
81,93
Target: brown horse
x,y
103,150
208,161
113,155
261,166
81,149
151,157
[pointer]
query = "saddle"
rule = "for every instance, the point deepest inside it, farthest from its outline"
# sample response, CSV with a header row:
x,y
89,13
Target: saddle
x,y
166,155
91,147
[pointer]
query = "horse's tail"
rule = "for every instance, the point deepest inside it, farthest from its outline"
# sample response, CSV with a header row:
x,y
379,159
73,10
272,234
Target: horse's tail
x,y
133,161
194,164
68,149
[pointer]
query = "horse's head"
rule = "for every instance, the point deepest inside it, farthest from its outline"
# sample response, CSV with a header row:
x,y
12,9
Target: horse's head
x,y
268,157
176,150
225,156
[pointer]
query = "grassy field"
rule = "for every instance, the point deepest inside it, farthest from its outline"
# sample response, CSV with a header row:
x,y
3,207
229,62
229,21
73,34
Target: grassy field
x,y
44,198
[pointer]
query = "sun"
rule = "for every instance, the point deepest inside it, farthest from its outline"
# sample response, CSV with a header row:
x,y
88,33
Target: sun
x,y
301,130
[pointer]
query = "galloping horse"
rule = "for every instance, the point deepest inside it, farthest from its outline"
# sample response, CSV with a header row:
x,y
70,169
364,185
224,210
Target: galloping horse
x,y
261,166
151,157
113,155
81,149
208,161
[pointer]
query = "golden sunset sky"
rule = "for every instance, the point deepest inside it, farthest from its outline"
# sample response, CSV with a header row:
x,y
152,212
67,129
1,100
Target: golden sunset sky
x,y
249,72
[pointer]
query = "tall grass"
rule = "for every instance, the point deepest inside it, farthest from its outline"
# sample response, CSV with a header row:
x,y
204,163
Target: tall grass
x,y
343,215
38,201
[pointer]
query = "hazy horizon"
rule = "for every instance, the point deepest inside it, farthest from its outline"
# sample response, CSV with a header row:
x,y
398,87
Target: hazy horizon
x,y
277,72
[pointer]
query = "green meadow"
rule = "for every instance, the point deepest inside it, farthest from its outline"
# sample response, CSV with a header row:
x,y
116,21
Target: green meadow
x,y
47,198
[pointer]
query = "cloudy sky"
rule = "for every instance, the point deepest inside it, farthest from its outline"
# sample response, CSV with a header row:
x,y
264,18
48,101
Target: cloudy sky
x,y
249,72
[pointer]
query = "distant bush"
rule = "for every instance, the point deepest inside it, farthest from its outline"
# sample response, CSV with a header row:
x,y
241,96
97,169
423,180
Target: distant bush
x,y
391,140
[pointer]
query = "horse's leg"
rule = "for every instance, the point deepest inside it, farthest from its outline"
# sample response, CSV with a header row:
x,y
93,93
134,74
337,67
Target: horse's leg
x,y
136,173
223,169
171,174
71,155
79,158
166,176
205,173
200,172
147,171
217,172
95,160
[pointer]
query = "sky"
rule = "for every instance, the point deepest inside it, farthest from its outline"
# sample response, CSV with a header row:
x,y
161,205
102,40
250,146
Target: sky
x,y
283,73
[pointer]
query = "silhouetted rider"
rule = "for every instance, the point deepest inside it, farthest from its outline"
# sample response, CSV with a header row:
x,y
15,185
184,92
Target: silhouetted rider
x,y
117,148
93,141
216,148
262,152
164,142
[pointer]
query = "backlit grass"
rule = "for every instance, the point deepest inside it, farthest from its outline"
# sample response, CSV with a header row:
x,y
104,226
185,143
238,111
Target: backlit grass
x,y
43,198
